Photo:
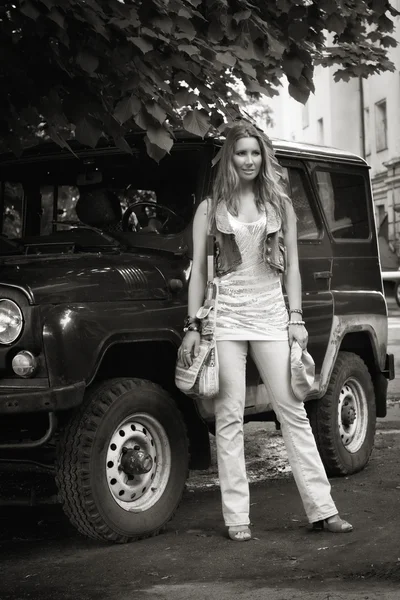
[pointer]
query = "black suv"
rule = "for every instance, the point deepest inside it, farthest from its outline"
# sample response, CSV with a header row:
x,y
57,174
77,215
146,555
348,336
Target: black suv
x,y
95,260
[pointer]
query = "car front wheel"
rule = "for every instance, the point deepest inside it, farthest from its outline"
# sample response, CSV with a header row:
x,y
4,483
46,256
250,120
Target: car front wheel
x,y
123,461
344,420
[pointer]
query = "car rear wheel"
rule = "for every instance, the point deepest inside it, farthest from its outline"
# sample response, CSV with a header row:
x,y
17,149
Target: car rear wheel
x,y
344,420
123,461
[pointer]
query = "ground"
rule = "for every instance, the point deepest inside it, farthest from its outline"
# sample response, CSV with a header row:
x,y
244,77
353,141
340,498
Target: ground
x,y
43,558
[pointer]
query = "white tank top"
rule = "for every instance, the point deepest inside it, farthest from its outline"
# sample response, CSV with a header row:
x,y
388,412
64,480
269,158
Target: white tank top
x,y
250,300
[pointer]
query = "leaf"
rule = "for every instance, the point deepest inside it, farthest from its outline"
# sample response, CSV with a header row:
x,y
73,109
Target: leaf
x,y
197,122
156,111
87,133
226,58
155,152
293,67
188,49
335,23
276,48
29,10
88,62
187,28
122,144
160,137
127,108
242,15
248,69
185,98
48,3
298,30
329,6
57,17
141,119
141,43
215,33
299,94
163,23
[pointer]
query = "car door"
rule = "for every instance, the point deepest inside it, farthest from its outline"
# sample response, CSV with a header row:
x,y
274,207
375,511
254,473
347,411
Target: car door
x,y
315,258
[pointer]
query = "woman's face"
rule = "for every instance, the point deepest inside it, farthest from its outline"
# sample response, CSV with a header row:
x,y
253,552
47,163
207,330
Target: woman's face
x,y
247,158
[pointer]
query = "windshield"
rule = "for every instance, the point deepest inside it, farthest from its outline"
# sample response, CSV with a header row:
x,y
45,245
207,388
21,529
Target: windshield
x,y
110,193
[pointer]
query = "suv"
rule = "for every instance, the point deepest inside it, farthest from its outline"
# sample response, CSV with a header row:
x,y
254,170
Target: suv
x,y
95,261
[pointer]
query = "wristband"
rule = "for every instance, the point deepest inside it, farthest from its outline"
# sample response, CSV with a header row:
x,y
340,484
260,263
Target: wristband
x,y
296,310
191,320
297,323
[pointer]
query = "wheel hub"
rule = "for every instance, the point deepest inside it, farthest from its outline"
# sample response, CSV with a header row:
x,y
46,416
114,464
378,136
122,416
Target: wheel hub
x,y
352,414
135,461
348,414
138,462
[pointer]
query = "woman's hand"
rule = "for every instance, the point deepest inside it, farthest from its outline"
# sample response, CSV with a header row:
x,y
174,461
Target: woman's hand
x,y
189,348
299,334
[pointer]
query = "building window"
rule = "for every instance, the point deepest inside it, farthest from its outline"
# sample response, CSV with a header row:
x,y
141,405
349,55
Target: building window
x,y
306,115
320,131
367,132
381,125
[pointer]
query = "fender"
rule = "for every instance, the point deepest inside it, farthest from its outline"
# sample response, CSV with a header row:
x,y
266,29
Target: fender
x,y
376,329
76,336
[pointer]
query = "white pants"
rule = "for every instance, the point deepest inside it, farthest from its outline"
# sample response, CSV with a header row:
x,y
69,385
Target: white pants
x,y
272,361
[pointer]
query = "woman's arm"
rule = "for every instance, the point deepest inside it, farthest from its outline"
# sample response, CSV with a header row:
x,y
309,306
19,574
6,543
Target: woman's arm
x,y
197,283
293,279
198,274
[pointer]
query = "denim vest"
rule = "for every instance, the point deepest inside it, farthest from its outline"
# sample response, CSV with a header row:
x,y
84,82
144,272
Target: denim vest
x,y
227,253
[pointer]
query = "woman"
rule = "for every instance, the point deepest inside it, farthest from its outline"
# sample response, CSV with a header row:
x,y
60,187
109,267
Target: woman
x,y
248,212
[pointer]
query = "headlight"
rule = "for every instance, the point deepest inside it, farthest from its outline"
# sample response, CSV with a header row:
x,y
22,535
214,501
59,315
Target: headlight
x,y
11,321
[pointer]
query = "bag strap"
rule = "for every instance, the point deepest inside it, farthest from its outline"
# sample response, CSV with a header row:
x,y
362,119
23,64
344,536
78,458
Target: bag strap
x,y
210,258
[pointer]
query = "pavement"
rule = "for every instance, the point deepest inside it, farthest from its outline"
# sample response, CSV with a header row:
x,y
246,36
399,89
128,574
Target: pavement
x,y
43,558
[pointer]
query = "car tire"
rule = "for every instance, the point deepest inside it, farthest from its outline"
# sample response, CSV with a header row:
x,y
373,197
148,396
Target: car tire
x,y
344,420
397,293
100,498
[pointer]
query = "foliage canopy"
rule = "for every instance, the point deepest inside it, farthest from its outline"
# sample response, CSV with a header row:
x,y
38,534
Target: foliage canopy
x,y
102,67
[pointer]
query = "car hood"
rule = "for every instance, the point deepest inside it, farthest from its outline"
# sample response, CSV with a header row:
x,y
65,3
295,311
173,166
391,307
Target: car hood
x,y
95,278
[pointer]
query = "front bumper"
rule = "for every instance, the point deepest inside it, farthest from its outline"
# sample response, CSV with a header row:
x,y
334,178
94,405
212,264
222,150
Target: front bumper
x,y
24,400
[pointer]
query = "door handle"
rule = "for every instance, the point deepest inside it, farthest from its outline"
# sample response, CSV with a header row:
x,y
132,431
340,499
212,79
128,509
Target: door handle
x,y
322,274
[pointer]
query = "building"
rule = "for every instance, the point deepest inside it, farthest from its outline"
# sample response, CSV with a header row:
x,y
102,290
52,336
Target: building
x,y
362,116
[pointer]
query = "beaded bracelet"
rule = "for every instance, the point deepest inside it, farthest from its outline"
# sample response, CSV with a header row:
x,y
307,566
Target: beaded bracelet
x,y
297,322
192,327
296,310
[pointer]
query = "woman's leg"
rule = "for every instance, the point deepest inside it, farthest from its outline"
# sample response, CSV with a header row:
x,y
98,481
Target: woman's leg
x,y
229,409
273,362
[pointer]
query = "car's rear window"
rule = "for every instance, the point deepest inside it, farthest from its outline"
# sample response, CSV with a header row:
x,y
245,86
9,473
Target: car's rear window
x,y
343,198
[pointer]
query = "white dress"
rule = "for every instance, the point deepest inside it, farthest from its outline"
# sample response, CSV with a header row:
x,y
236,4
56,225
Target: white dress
x,y
250,300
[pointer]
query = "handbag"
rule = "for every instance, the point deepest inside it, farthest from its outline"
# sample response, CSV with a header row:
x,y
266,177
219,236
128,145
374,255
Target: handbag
x,y
302,371
201,380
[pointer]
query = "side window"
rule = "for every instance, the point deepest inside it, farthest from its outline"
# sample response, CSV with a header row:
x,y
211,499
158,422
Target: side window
x,y
343,197
13,198
307,228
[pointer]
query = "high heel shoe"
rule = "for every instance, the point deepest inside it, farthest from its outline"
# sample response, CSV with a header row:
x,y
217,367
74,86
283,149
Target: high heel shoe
x,y
334,524
239,533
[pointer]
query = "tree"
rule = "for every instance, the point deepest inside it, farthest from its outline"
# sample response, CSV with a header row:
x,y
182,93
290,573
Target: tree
x,y
93,68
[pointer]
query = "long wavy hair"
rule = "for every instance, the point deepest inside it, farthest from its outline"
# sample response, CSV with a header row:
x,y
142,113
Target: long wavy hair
x,y
268,185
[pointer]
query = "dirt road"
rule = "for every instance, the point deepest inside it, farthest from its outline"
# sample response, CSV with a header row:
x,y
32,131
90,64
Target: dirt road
x,y
41,558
